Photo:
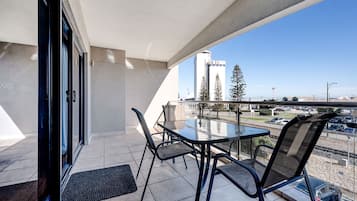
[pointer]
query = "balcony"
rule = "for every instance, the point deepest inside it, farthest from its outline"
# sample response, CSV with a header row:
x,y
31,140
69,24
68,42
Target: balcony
x,y
70,71
333,160
169,181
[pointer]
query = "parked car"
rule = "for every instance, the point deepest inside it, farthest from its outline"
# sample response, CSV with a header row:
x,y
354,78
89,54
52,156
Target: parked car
x,y
348,119
348,130
331,127
283,121
275,120
279,109
336,127
324,191
337,120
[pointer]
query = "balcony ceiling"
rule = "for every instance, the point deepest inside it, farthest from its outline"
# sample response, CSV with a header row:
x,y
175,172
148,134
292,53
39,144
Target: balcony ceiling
x,y
164,30
153,30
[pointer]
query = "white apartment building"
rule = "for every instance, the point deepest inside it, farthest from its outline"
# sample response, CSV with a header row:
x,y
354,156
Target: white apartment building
x,y
206,72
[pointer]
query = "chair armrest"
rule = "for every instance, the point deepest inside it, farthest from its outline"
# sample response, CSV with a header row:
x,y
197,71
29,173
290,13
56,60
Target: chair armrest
x,y
194,150
258,147
157,133
157,130
175,140
167,142
231,144
237,162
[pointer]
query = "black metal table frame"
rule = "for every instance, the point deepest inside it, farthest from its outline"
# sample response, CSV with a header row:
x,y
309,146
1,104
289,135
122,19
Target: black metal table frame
x,y
205,154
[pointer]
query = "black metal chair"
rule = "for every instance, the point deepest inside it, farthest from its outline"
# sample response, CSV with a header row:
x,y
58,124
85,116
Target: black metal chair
x,y
170,113
163,151
286,164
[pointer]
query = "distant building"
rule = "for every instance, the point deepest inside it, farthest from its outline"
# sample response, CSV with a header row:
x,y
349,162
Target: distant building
x,y
206,72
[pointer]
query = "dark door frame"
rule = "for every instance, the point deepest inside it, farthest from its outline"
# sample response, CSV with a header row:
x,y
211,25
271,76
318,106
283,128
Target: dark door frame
x,y
43,102
50,18
67,40
49,108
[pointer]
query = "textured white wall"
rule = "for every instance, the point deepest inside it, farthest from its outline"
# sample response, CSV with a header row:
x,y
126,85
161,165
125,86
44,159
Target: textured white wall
x,y
120,83
107,90
149,85
18,87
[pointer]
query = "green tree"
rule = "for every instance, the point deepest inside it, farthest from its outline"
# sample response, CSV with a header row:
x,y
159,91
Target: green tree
x,y
218,93
295,99
204,92
217,89
285,99
238,84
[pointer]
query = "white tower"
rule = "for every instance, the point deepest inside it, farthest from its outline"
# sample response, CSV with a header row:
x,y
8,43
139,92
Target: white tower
x,y
201,71
216,68
206,72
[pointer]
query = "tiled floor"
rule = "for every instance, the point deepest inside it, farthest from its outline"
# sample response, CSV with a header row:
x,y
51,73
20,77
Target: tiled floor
x,y
18,160
168,182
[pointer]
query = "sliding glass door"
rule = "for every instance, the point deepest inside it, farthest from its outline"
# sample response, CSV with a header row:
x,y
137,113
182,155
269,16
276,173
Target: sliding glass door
x,y
71,100
66,97
77,100
60,99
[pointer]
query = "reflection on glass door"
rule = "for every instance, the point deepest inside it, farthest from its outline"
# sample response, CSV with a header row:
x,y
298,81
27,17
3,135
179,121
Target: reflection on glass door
x,y
72,98
76,100
66,156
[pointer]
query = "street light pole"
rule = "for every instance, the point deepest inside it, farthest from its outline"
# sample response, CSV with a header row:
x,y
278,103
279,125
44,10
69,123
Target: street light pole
x,y
273,89
327,92
328,85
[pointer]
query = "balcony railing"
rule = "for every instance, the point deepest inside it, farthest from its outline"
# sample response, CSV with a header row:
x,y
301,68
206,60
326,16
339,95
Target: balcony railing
x,y
334,160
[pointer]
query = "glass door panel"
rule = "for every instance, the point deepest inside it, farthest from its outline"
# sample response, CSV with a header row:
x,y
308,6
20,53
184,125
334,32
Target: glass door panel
x,y
65,99
76,100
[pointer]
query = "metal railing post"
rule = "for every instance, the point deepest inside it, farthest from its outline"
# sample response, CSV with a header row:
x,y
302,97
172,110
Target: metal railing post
x,y
238,115
200,108
238,122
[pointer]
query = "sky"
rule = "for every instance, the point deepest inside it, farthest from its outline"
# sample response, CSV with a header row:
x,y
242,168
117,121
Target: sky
x,y
297,54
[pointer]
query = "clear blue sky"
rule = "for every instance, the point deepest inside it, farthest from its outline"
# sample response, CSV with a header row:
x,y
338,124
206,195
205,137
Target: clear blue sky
x,y
296,54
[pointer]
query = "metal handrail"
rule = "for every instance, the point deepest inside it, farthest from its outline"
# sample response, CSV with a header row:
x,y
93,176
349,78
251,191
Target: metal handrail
x,y
289,103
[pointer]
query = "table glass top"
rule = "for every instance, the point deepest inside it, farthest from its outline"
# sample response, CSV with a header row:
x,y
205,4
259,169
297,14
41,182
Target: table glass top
x,y
208,130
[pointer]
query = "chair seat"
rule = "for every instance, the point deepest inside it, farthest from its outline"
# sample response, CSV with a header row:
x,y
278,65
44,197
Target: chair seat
x,y
241,176
173,150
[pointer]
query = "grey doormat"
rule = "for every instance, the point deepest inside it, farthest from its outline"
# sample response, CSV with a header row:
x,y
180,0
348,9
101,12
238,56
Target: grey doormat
x,y
19,192
100,184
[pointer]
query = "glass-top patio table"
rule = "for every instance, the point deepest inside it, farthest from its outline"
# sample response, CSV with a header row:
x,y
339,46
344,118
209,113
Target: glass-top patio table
x,y
204,133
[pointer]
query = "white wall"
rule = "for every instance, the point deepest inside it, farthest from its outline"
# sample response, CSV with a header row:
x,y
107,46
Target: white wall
x,y
18,88
120,83
149,85
107,90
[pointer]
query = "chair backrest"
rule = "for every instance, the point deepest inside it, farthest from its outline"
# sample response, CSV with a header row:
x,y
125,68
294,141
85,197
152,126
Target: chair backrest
x,y
293,148
174,112
145,128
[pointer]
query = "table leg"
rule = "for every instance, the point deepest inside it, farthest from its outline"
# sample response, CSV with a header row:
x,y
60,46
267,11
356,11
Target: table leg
x,y
208,160
238,149
200,174
251,147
